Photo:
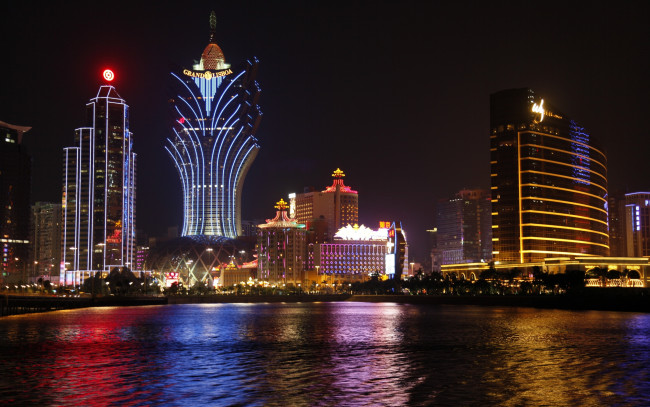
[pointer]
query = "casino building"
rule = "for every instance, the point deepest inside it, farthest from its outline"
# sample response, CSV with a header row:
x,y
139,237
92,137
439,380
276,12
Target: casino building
x,y
549,182
213,144
335,207
98,200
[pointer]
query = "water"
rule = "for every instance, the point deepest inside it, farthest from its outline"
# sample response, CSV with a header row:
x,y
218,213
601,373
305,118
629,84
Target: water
x,y
325,354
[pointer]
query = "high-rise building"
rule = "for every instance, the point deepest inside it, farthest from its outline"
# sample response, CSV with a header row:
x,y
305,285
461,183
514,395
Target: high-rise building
x,y
213,144
549,182
99,190
463,226
637,224
281,248
46,239
338,205
616,213
15,182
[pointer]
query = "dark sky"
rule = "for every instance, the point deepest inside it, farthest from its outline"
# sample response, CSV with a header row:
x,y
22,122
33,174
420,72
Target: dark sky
x,y
394,93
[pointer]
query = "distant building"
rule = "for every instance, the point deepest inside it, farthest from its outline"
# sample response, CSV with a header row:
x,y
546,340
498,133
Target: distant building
x,y
47,222
15,183
637,224
99,191
549,182
616,213
281,248
338,205
463,228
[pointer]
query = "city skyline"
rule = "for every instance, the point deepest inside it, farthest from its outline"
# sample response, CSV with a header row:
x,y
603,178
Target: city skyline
x,y
397,95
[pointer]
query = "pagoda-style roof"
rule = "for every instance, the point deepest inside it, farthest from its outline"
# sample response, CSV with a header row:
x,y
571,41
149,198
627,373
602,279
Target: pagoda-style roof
x,y
338,183
281,219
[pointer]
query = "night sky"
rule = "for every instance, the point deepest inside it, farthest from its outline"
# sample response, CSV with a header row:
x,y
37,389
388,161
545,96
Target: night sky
x,y
396,94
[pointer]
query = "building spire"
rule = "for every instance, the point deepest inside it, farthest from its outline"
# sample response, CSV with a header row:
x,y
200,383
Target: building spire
x,y
213,27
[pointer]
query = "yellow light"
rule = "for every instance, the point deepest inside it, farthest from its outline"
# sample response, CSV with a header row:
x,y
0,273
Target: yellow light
x,y
563,139
539,108
563,151
566,214
567,177
564,202
543,225
553,239
565,164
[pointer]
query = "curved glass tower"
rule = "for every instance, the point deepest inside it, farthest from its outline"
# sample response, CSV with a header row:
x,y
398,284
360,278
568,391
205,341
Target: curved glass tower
x,y
213,143
549,182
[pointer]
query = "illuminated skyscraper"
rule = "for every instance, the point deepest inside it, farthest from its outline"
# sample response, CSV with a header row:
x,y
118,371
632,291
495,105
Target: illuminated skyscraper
x,y
216,116
549,182
99,190
15,181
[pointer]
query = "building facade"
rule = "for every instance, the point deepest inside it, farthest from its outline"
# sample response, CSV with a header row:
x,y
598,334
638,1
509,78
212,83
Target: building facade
x,y
15,183
637,224
463,228
46,239
549,182
213,145
358,252
98,200
281,248
337,205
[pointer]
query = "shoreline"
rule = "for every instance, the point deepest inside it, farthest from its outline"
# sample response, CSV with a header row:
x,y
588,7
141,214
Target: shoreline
x,y
596,300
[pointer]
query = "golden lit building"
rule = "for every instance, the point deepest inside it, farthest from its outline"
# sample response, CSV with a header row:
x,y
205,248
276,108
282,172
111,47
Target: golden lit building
x,y
338,205
549,182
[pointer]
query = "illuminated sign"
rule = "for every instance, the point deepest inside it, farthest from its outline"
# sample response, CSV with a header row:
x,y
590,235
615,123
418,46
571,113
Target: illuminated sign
x,y
384,225
539,108
171,278
108,75
207,74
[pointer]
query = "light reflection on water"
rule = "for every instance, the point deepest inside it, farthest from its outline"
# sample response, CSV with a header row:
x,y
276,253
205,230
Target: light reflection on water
x,y
325,354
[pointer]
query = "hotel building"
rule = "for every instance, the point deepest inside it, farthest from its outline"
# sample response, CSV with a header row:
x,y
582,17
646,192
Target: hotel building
x,y
549,182
337,205
281,248
358,252
98,200
213,145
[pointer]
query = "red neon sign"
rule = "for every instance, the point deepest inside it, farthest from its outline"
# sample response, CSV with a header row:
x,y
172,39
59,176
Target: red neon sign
x,y
108,75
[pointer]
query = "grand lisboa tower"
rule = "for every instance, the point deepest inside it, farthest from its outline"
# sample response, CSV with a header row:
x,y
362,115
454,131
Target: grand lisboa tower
x,y
213,143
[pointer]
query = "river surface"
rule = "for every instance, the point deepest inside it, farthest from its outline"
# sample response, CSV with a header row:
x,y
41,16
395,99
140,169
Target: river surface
x,y
325,354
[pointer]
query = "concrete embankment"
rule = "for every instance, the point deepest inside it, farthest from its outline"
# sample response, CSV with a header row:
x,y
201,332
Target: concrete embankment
x,y
25,304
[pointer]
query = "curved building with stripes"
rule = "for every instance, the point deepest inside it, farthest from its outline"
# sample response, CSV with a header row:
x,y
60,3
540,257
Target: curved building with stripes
x,y
549,182
213,143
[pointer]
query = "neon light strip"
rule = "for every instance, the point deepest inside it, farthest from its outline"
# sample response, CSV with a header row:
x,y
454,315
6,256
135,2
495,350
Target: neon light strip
x,y
565,253
553,239
565,214
565,140
579,180
544,225
565,164
566,152
565,189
